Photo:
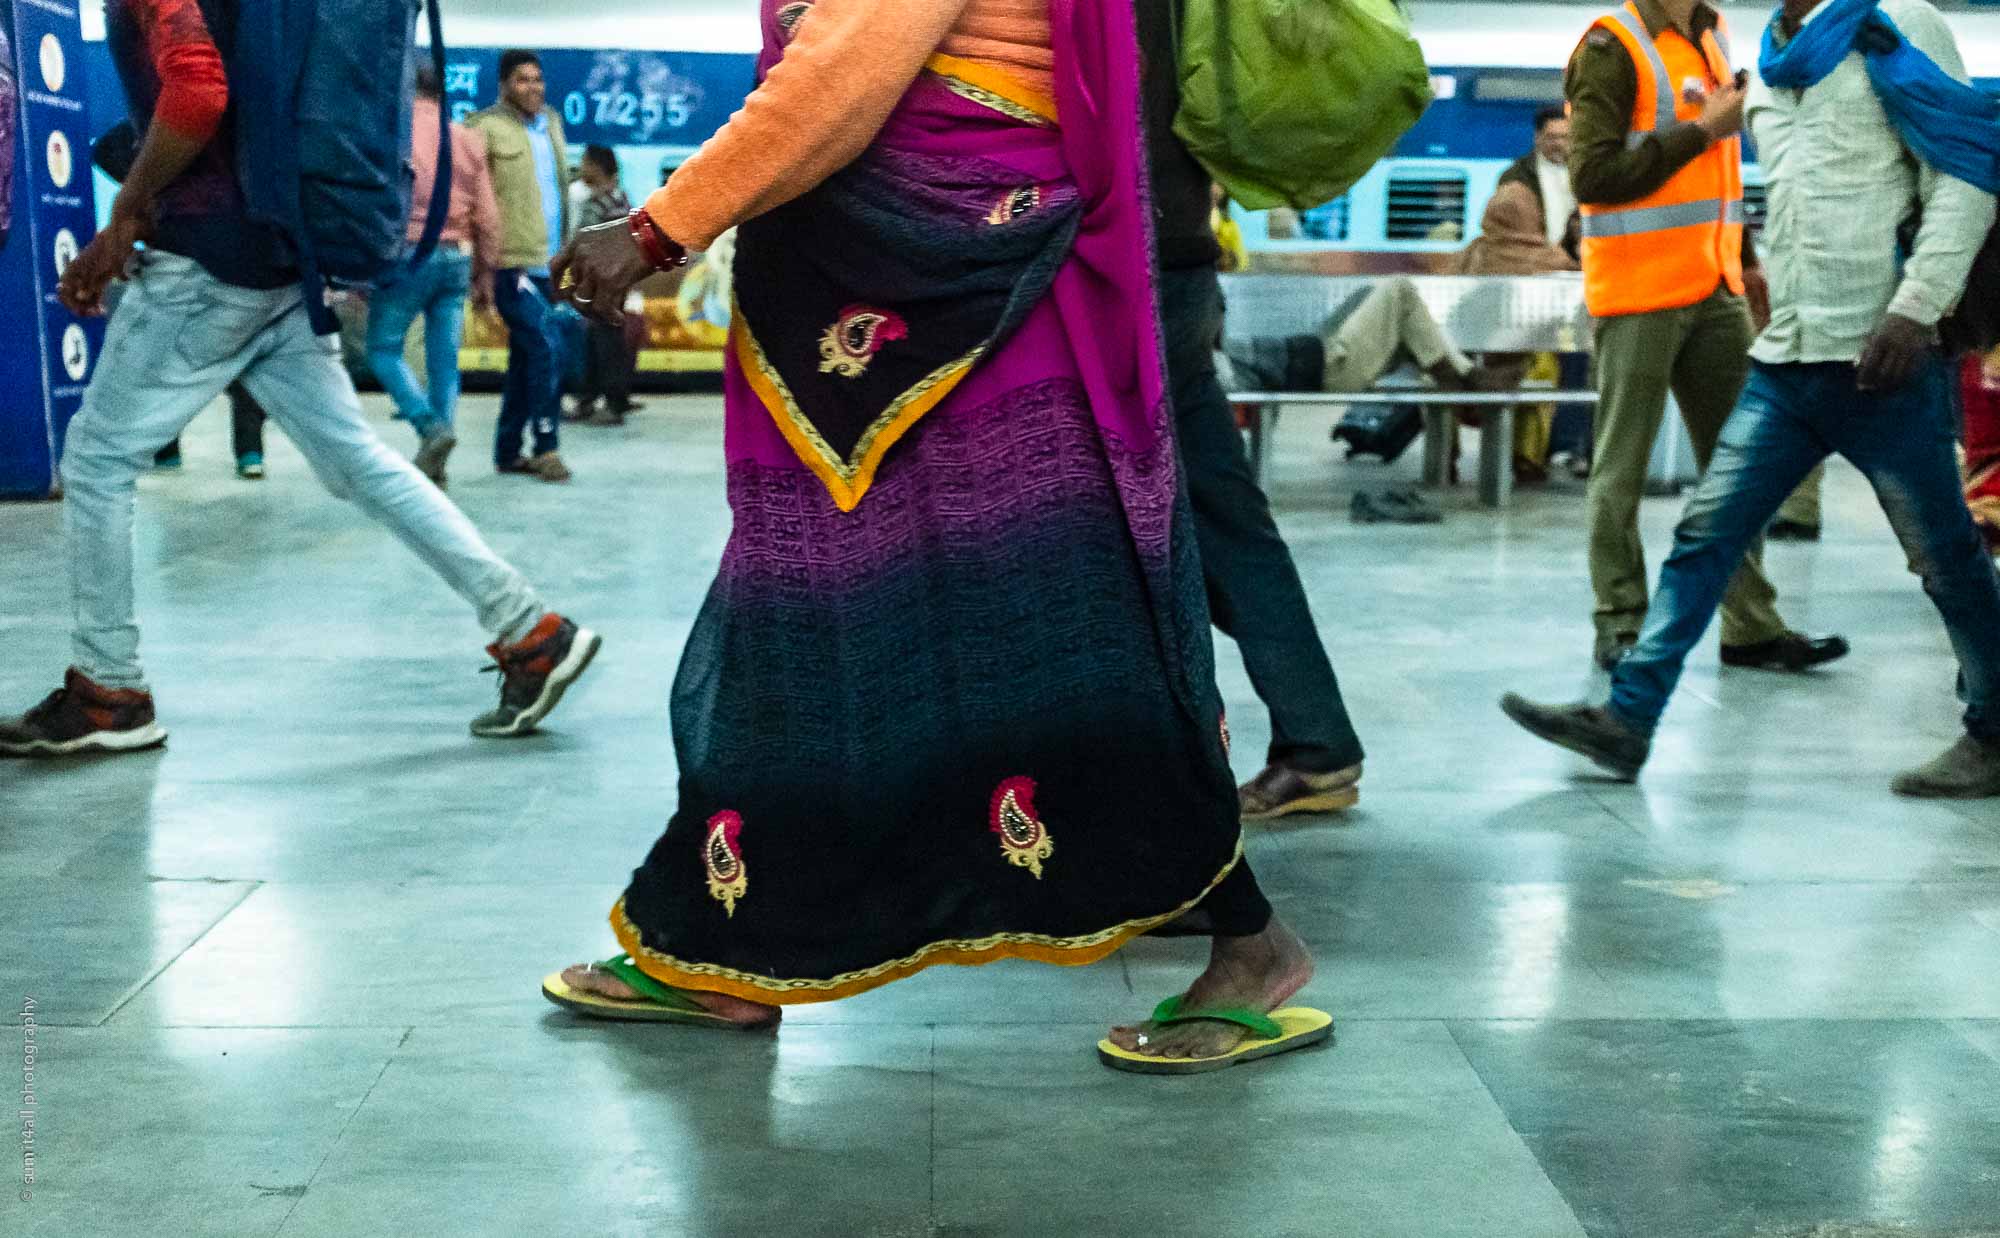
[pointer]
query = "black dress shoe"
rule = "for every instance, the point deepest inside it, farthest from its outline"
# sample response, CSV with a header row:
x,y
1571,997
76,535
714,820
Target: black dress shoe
x,y
1789,652
1793,531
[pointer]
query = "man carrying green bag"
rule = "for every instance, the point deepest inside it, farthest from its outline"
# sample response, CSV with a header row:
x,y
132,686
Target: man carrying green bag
x,y
1256,597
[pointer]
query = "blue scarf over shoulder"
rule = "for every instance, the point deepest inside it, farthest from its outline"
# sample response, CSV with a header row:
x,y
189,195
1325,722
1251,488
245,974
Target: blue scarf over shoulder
x,y
1949,125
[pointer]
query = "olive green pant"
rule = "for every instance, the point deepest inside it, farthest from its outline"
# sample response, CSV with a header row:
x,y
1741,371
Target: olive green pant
x,y
1701,354
1804,505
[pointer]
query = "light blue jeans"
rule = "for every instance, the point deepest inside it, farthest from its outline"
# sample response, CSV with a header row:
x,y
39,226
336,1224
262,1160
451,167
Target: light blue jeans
x,y
180,337
1789,420
436,292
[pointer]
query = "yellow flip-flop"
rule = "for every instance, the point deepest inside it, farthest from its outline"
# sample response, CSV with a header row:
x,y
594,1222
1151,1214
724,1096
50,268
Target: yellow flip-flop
x,y
1281,1031
656,1003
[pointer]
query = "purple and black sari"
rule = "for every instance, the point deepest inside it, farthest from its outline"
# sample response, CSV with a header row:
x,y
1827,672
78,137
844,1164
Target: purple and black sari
x,y
951,698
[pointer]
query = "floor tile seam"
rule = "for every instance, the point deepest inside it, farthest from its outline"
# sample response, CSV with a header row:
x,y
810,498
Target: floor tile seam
x,y
396,1026
1960,1028
147,982
931,1208
1587,883
1596,796
340,1136
1527,1149
946,1024
1767,1020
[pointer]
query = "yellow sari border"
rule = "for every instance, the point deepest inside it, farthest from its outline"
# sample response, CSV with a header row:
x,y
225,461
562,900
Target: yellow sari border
x,y
750,987
846,480
994,88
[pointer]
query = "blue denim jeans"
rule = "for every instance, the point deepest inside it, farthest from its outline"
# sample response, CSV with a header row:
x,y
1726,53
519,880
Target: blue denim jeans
x,y
436,292
177,340
532,397
1790,419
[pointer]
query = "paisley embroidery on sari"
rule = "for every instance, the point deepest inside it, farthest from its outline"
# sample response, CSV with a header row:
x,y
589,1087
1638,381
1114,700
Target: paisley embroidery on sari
x,y
722,854
1024,839
851,343
1023,201
789,18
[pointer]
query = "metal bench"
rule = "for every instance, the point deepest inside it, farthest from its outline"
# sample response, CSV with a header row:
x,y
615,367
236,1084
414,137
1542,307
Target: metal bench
x,y
1496,430
1481,314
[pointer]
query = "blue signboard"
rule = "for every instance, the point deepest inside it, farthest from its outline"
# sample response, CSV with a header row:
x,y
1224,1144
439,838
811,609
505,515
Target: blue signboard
x,y
618,98
49,215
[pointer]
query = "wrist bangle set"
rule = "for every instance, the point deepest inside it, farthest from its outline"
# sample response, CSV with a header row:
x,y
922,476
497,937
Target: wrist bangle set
x,y
661,251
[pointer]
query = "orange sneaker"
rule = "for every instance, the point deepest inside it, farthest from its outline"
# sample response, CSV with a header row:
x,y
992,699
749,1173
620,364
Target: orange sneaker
x,y
534,674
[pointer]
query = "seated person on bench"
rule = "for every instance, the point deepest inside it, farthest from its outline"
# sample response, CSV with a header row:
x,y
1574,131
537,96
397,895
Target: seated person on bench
x,y
1514,240
1364,340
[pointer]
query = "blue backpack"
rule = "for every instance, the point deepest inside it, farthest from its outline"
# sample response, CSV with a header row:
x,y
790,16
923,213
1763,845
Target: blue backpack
x,y
321,93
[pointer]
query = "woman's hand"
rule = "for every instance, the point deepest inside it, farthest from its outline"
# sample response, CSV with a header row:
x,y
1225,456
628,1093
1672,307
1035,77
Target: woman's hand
x,y
597,268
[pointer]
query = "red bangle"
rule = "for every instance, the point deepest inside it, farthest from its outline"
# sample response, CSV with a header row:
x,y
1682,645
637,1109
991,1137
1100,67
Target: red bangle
x,y
661,251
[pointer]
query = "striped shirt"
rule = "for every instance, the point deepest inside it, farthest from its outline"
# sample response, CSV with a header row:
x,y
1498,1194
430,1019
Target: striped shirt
x,y
1842,185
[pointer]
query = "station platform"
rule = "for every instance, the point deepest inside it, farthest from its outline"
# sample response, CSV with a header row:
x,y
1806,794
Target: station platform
x,y
285,973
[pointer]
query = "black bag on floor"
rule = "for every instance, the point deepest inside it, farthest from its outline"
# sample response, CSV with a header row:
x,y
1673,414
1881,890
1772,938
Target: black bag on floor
x,y
1384,430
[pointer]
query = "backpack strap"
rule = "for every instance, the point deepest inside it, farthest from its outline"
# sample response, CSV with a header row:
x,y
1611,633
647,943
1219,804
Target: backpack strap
x,y
440,209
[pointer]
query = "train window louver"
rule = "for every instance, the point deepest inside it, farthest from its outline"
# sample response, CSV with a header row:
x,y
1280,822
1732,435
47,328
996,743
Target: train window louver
x,y
1756,207
1426,206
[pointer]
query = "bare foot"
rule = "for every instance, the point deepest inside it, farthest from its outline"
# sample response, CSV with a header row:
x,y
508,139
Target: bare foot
x,y
1261,972
586,978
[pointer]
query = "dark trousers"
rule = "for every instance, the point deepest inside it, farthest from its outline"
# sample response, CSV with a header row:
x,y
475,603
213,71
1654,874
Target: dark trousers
x,y
607,372
531,399
1237,907
1254,592
246,428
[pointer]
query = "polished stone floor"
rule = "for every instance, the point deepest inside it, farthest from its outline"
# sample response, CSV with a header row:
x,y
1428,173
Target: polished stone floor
x,y
286,971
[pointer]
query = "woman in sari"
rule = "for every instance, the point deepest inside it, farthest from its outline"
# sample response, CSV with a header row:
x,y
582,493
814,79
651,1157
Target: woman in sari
x,y
951,698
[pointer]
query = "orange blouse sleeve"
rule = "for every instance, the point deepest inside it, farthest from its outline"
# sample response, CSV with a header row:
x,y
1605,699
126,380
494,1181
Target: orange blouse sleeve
x,y
817,110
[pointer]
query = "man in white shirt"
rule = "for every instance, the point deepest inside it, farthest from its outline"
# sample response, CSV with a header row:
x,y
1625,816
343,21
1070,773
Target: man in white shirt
x,y
1849,364
1552,170
1545,171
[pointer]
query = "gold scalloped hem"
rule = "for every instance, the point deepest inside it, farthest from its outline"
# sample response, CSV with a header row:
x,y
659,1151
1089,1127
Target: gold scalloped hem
x,y
771,991
995,88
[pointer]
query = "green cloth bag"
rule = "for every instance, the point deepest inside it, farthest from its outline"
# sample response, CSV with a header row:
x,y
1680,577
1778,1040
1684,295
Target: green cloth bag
x,y
1290,102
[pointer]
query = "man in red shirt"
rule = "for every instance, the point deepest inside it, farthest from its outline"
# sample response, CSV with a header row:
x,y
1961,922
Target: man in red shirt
x,y
215,299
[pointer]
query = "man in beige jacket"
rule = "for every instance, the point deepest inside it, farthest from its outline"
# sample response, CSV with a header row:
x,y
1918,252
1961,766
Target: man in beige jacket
x,y
525,152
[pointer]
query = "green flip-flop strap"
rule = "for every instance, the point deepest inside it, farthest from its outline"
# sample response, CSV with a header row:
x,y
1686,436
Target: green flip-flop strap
x,y
622,967
1170,1012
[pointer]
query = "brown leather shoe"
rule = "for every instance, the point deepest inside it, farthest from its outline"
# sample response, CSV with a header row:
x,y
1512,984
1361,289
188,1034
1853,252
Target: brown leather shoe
x,y
549,467
1586,730
1968,770
1281,791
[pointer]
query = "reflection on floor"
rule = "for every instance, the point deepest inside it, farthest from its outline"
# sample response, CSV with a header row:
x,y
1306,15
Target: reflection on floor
x,y
286,971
